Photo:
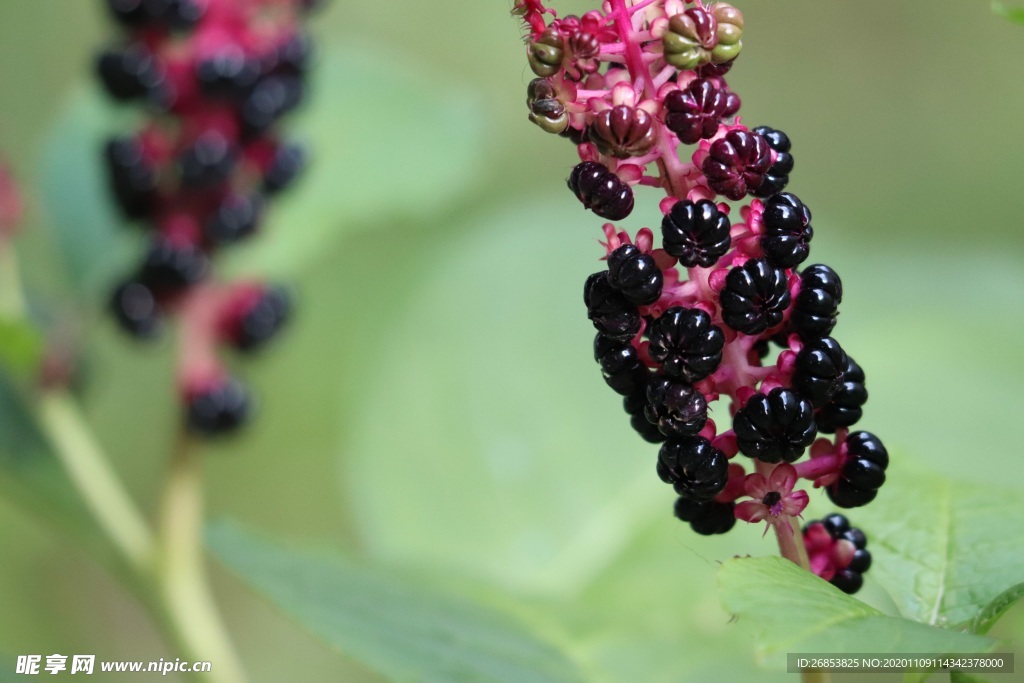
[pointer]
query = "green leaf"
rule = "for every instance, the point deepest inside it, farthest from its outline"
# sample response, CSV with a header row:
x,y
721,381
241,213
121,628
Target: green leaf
x,y
388,143
993,611
516,463
943,549
792,610
398,625
1014,14
21,345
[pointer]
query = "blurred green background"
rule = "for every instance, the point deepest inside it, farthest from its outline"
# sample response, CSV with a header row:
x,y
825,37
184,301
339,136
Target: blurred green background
x,y
434,403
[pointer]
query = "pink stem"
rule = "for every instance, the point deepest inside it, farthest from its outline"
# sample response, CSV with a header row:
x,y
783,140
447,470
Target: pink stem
x,y
820,466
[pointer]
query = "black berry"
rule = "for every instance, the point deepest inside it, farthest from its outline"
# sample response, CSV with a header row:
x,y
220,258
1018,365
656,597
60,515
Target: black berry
x,y
817,304
848,581
135,309
132,177
863,471
706,519
820,370
786,241
775,427
696,469
131,73
235,218
777,178
635,274
634,405
686,343
620,366
755,297
861,561
612,314
172,266
289,161
207,161
270,99
695,233
601,191
737,163
220,409
264,319
836,524
676,407
844,408
229,73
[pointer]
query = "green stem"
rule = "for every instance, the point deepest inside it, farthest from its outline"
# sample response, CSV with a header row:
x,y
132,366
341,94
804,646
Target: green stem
x,y
190,609
91,475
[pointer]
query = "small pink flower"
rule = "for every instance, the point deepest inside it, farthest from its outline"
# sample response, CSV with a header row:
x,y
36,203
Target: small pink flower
x,y
774,499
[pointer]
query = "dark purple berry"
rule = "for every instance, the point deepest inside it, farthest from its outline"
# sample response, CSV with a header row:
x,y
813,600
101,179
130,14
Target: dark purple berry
x,y
676,407
817,304
132,177
219,410
737,163
269,100
848,581
207,161
171,266
776,427
131,73
289,161
235,219
294,56
696,111
696,469
601,191
612,314
695,233
635,274
264,320
820,370
686,343
620,366
862,473
844,408
229,73
634,405
135,309
713,70
861,561
777,178
755,297
786,241
706,519
165,14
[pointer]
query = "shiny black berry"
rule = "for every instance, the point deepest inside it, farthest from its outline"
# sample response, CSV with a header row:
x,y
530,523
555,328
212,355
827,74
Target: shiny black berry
x,y
634,405
635,274
136,310
620,366
863,471
288,163
777,178
132,176
172,266
207,161
601,191
861,561
820,370
857,537
844,409
836,525
706,519
847,581
696,233
817,304
776,427
236,218
219,410
686,343
696,111
612,314
264,319
676,407
131,73
755,297
737,163
696,469
786,241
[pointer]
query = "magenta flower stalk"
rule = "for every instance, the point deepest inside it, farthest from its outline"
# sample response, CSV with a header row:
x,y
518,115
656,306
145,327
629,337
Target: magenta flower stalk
x,y
724,308
215,78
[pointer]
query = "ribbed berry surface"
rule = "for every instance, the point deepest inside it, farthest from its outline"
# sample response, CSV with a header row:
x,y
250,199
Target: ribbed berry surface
x,y
737,163
635,274
844,409
620,366
676,407
696,111
820,370
755,297
601,191
696,469
612,314
707,519
777,177
686,343
696,233
777,427
786,241
817,304
863,471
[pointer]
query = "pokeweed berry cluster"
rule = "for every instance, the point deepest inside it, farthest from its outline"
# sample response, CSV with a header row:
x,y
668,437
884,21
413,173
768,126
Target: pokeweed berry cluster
x,y
692,321
215,77
838,552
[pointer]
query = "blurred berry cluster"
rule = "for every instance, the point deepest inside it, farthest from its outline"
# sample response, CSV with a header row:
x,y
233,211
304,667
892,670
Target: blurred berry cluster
x,y
694,320
214,78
